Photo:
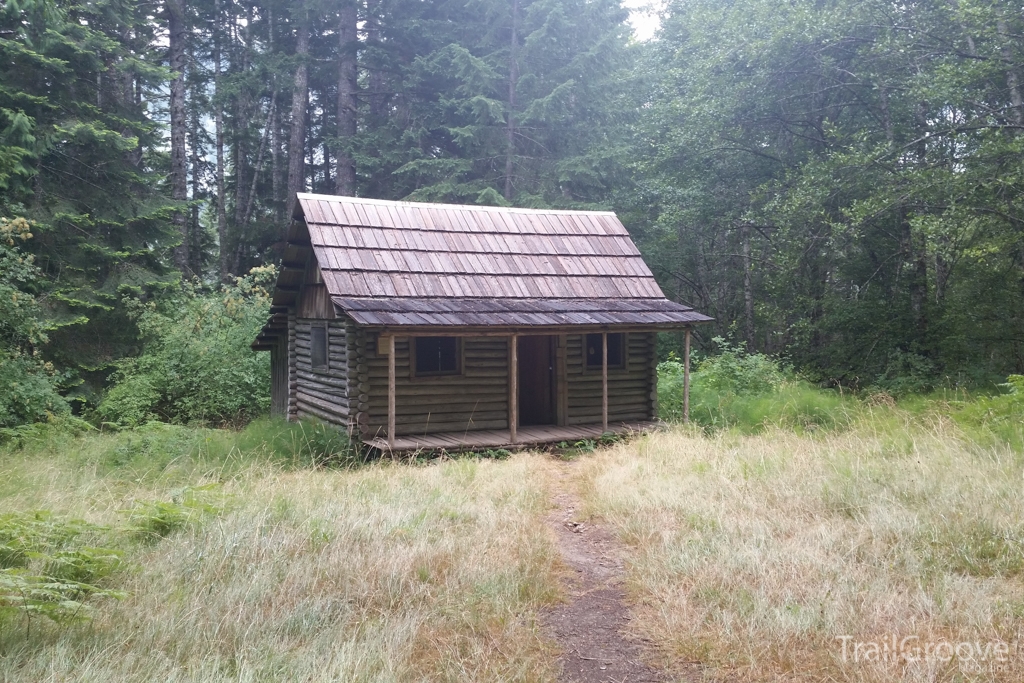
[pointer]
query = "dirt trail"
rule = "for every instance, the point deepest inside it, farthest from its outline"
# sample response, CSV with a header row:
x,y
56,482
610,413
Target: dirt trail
x,y
590,627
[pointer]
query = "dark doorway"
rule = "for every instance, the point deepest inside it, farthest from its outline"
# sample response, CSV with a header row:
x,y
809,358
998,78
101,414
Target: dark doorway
x,y
537,381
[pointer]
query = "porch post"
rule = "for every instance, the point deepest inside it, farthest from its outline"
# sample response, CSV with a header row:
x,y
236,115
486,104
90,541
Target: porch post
x,y
513,386
686,378
391,391
604,382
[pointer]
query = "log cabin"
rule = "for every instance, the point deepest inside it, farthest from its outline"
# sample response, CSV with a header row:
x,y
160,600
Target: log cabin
x,y
428,326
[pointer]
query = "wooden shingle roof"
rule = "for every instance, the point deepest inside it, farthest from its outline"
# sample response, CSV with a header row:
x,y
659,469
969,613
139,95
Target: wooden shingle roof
x,y
410,264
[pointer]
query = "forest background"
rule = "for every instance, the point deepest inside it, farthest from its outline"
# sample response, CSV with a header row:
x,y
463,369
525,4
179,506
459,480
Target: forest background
x,y
838,183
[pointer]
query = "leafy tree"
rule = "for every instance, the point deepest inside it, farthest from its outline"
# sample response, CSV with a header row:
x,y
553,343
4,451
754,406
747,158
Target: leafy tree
x,y
842,181
196,364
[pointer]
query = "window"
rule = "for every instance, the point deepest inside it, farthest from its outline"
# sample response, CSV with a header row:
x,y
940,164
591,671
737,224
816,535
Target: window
x,y
437,356
318,347
616,350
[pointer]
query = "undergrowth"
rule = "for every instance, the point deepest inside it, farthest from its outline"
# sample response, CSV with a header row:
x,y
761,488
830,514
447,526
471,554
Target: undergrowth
x,y
57,565
751,393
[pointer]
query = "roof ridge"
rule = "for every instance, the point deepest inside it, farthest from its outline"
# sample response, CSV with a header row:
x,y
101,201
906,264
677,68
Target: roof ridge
x,y
459,207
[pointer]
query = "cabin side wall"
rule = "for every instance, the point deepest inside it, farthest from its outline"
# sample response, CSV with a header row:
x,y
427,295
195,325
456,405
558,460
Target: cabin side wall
x,y
632,390
476,399
322,394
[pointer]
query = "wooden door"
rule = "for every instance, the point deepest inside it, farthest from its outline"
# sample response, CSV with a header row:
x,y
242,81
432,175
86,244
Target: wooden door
x,y
537,380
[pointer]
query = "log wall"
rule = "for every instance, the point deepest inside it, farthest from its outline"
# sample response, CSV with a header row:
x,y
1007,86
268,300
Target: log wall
x,y
322,394
632,393
353,391
279,377
476,399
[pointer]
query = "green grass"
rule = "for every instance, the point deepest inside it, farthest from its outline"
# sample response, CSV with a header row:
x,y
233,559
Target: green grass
x,y
795,405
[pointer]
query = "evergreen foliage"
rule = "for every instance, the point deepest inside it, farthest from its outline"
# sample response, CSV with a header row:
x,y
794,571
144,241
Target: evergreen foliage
x,y
839,184
30,385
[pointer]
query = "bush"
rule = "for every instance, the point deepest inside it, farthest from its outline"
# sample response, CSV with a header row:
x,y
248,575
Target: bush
x,y
196,364
736,372
157,519
30,390
906,374
748,392
30,386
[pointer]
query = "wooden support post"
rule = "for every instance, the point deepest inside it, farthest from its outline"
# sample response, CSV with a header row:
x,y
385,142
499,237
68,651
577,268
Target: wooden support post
x,y
391,391
686,378
513,386
604,382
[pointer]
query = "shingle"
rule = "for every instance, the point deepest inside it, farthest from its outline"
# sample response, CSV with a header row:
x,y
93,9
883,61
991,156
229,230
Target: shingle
x,y
507,266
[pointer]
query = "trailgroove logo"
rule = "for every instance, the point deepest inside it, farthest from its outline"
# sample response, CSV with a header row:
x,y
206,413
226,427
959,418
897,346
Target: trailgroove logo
x,y
975,655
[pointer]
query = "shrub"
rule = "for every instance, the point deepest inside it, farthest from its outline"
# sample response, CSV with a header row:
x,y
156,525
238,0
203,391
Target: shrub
x,y
196,364
29,384
996,418
748,392
154,520
737,372
906,374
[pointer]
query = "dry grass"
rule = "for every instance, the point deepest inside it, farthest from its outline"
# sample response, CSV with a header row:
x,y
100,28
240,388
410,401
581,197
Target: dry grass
x,y
389,573
753,555
750,555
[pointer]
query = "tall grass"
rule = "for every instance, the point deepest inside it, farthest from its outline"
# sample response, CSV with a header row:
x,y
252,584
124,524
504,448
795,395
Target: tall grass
x,y
757,544
750,393
386,572
756,554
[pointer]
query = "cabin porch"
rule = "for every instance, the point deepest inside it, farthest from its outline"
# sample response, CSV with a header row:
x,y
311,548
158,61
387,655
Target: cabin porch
x,y
502,438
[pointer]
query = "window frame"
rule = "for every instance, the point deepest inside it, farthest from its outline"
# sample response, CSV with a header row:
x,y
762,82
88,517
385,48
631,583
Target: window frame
x,y
326,367
416,374
623,350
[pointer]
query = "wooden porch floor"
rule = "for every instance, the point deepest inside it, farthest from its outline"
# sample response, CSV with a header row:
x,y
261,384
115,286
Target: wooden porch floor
x,y
501,438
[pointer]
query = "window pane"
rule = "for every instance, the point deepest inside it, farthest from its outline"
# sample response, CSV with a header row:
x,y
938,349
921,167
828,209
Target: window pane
x,y
615,349
318,347
593,350
437,356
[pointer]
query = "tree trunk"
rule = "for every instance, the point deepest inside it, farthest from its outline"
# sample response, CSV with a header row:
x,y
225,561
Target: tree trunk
x,y
325,145
513,82
218,126
345,179
275,164
176,35
259,163
275,137
1012,79
241,149
300,95
375,75
195,248
748,289
917,243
